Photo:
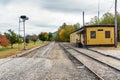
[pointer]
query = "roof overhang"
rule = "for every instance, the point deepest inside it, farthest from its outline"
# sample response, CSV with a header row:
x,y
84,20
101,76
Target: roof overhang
x,y
80,31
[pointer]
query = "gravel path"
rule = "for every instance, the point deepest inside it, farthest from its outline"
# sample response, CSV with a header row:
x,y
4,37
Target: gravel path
x,y
24,69
64,69
52,64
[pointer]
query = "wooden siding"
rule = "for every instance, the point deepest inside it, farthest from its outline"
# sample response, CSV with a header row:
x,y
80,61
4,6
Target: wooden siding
x,y
100,36
74,36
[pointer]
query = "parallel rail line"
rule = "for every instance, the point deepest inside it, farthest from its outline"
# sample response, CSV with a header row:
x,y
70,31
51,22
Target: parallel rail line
x,y
95,59
97,76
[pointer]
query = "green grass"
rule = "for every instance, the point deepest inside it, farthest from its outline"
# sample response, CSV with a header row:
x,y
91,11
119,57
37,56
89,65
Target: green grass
x,y
8,51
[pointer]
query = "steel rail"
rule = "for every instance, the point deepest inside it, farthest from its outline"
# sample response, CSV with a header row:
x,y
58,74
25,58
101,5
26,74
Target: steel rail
x,y
97,75
95,59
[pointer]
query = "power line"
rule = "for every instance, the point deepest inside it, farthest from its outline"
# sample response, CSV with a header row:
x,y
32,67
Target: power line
x,y
111,6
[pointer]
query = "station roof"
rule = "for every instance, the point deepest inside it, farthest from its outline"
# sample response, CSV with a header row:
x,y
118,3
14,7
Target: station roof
x,y
86,26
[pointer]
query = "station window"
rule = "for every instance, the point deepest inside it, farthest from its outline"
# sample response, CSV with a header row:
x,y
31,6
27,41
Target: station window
x,y
93,34
107,34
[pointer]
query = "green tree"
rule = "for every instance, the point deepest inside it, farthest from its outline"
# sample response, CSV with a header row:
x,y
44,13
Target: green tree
x,y
77,25
93,21
27,39
107,18
12,37
63,26
50,36
43,36
118,21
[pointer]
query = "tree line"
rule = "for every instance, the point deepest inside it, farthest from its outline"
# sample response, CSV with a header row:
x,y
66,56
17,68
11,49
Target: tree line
x,y
63,33
107,18
11,38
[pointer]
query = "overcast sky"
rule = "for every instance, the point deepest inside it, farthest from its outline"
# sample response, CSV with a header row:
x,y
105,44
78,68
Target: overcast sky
x,y
48,15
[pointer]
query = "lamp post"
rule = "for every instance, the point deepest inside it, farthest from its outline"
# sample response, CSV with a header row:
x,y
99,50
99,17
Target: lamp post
x,y
24,18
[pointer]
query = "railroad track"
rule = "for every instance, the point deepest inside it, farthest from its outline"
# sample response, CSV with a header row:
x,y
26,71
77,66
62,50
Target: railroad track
x,y
114,69
110,61
77,62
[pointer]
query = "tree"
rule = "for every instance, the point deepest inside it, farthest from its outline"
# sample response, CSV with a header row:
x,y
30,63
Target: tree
x,y
118,21
12,37
93,21
50,36
43,36
77,25
4,41
34,38
107,18
63,33
63,25
67,30
28,38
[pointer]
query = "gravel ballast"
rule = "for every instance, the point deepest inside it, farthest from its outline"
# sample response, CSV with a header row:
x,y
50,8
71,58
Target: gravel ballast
x,y
51,64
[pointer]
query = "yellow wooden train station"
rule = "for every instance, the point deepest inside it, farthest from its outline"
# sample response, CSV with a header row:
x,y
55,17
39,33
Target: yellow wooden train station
x,y
93,35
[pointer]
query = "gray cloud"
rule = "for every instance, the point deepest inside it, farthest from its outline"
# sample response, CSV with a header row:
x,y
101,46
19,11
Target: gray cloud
x,y
48,15
76,6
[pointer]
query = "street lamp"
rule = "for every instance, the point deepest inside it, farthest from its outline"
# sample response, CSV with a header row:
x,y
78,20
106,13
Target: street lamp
x,y
24,18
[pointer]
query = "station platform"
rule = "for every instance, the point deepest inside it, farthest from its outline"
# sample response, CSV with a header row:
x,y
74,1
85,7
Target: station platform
x,y
113,52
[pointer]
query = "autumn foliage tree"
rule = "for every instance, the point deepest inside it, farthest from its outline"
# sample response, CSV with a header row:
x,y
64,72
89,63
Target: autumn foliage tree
x,y
12,37
4,41
64,31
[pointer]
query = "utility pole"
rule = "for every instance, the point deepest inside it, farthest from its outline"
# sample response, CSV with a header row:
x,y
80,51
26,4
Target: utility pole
x,y
84,29
98,17
83,19
98,12
116,23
